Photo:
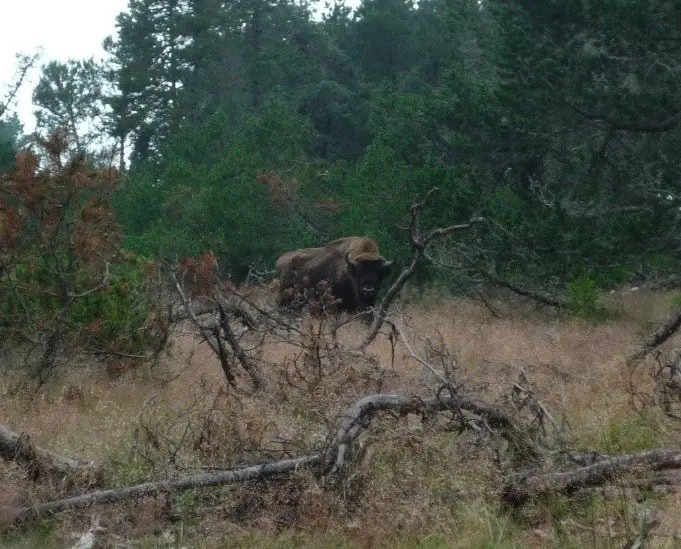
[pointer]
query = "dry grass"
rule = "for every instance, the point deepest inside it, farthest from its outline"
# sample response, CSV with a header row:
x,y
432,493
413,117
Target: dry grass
x,y
416,484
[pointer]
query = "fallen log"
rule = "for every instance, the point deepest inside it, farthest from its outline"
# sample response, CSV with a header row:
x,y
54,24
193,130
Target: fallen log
x,y
354,421
356,418
658,338
39,463
527,486
202,480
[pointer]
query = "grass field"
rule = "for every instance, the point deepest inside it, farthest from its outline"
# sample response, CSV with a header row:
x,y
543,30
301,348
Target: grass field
x,y
413,484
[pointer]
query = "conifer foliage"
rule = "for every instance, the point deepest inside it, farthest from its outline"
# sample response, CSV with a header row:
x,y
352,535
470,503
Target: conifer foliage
x,y
64,281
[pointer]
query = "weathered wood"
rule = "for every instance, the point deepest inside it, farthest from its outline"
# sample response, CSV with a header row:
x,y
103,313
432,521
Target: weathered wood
x,y
357,418
38,462
527,486
250,368
419,243
659,337
166,486
354,421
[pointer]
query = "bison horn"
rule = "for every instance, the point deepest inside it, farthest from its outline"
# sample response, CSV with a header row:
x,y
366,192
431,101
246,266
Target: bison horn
x,y
387,265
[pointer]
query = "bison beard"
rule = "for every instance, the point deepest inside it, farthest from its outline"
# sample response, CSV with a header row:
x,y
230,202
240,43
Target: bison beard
x,y
347,272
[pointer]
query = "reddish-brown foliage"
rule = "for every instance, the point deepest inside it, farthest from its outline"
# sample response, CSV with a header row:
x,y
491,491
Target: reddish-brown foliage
x,y
280,190
328,206
62,207
10,225
27,166
198,275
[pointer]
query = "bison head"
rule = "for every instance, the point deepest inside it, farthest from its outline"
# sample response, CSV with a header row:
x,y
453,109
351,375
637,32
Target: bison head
x,y
368,276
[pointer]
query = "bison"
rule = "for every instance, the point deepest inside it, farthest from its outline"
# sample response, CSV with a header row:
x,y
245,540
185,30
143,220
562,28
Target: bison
x,y
350,269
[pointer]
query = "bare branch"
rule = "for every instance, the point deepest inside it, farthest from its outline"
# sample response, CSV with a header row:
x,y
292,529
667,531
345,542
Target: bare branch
x,y
659,337
523,487
419,245
26,62
355,420
203,480
541,298
100,286
415,356
39,462
251,369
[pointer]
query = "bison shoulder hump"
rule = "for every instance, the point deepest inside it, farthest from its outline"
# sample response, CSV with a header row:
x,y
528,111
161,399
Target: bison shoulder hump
x,y
363,249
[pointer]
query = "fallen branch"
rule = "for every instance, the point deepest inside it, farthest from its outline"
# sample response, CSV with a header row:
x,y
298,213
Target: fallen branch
x,y
355,420
536,296
528,486
166,486
230,336
203,330
38,462
204,308
658,338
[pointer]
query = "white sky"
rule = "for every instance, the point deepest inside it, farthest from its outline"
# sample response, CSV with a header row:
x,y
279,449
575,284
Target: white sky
x,y
63,28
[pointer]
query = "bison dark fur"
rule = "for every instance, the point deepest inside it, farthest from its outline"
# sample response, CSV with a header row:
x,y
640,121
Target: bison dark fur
x,y
350,269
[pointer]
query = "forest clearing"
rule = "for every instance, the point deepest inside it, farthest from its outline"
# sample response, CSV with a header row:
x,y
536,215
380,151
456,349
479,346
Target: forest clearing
x,y
412,482
364,273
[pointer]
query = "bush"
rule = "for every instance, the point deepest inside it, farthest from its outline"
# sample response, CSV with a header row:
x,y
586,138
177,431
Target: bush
x,y
118,315
63,279
584,300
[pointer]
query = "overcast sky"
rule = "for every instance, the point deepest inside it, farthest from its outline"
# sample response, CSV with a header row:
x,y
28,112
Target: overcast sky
x,y
63,28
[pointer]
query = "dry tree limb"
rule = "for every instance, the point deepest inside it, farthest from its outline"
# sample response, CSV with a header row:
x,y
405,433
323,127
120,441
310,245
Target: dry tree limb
x,y
355,420
266,470
204,308
536,296
197,310
412,353
203,330
40,463
25,64
224,358
527,486
658,338
248,366
212,337
88,540
419,243
480,295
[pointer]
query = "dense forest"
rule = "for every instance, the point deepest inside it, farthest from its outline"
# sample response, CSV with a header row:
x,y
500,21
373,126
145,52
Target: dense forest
x,y
252,127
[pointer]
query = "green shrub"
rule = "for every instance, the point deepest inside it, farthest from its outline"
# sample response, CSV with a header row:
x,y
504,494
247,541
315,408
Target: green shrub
x,y
584,300
117,315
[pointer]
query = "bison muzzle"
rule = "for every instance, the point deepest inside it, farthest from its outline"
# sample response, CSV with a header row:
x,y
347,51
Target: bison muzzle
x,y
348,270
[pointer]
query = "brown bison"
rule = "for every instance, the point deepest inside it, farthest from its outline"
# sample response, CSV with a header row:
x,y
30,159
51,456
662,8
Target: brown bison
x,y
350,269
